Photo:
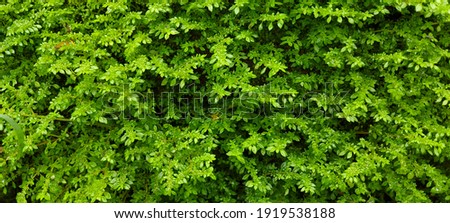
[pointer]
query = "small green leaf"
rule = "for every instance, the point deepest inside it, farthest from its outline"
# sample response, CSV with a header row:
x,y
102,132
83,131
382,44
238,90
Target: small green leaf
x,y
182,84
418,7
280,23
270,26
103,120
349,155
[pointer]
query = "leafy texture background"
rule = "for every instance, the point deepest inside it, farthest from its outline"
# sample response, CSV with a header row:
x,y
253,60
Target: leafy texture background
x,y
225,101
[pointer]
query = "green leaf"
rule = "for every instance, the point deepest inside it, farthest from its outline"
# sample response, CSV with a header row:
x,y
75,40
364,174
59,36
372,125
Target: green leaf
x,y
182,84
17,129
349,155
103,120
418,7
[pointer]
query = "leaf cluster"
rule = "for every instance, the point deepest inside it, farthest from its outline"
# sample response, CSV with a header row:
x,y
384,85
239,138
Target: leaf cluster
x,y
225,101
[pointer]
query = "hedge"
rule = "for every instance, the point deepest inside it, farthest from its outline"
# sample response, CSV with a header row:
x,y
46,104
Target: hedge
x,y
225,101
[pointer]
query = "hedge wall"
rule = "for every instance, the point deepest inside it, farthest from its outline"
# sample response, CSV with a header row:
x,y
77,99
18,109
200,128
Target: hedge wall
x,y
225,101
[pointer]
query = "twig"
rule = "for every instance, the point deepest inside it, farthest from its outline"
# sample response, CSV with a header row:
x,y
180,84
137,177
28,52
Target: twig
x,y
42,116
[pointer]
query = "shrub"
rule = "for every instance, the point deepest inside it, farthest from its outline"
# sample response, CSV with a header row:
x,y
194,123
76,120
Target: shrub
x,y
225,101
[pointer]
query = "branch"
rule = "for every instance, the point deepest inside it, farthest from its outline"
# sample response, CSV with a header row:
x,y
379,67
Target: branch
x,y
42,116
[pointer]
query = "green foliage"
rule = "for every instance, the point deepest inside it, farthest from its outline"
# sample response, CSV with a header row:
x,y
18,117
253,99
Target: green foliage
x,y
19,132
225,101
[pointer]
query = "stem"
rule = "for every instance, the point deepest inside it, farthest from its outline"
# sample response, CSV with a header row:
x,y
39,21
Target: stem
x,y
42,116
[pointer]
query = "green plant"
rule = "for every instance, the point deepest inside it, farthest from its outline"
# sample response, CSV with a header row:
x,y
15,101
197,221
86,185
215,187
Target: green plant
x,y
226,101
19,132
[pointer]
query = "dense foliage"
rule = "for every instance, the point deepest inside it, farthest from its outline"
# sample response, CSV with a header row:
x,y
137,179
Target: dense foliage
x,y
225,101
